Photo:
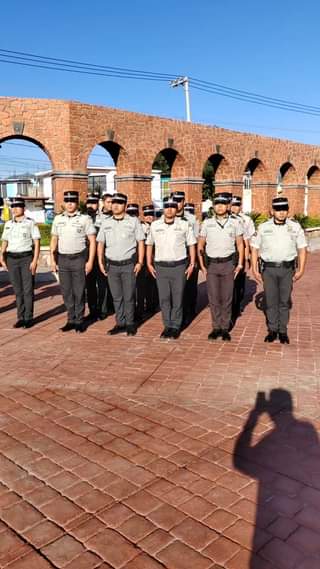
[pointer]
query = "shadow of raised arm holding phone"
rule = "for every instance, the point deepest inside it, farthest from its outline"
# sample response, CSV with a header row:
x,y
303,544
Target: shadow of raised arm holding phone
x,y
286,463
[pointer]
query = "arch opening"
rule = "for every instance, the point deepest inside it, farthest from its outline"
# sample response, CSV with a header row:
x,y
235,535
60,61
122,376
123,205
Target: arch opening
x,y
214,163
102,167
25,170
161,174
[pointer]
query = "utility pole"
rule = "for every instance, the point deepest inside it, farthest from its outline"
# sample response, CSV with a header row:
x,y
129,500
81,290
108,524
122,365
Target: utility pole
x,y
185,82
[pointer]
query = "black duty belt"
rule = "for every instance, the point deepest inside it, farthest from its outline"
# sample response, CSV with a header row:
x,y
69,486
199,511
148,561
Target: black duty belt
x,y
220,259
171,263
73,255
19,255
286,264
121,263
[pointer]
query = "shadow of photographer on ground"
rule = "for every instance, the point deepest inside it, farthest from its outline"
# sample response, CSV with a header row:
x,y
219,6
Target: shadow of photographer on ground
x,y
286,463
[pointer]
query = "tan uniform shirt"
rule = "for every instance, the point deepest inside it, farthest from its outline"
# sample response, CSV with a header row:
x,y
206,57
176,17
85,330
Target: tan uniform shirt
x,y
276,242
120,237
20,235
171,239
72,232
220,238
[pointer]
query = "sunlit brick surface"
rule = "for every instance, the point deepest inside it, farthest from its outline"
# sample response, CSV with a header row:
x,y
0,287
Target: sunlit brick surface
x,y
120,452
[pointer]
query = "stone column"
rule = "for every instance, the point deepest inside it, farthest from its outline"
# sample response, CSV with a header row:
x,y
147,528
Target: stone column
x,y
295,195
313,200
262,194
136,187
192,188
63,181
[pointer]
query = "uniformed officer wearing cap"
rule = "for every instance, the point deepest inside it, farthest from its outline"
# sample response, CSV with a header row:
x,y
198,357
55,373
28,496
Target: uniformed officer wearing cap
x,y
107,307
220,238
248,232
70,233
118,240
173,240
191,288
19,255
277,243
133,209
95,280
147,292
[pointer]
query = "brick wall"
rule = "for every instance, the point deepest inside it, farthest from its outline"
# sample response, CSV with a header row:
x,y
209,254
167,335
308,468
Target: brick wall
x,y
69,131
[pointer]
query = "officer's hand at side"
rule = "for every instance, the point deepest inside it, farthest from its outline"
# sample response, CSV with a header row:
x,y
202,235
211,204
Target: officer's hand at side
x,y
189,271
257,277
204,271
237,271
137,268
3,263
54,267
152,270
88,267
103,269
33,267
297,276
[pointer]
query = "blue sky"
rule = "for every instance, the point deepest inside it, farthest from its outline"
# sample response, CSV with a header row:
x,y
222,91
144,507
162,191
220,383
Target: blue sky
x,y
271,48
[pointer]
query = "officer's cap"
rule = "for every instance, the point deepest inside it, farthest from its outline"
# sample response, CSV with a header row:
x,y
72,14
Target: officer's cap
x,y
221,198
133,209
93,199
280,204
71,196
189,207
169,202
148,209
18,202
228,195
119,198
236,200
178,196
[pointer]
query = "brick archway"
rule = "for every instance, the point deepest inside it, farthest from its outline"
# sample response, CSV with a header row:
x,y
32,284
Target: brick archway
x,y
312,191
68,132
32,141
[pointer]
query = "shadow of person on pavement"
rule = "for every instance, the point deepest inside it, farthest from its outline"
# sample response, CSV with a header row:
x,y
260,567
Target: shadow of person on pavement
x,y
285,461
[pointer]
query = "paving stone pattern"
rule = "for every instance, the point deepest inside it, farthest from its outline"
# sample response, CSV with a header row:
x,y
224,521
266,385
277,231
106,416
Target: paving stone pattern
x,y
139,453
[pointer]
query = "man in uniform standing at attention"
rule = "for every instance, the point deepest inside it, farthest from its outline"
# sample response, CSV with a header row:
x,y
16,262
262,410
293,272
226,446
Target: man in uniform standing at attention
x,y
147,293
118,240
71,230
174,241
107,307
277,243
19,256
221,239
248,232
191,288
94,280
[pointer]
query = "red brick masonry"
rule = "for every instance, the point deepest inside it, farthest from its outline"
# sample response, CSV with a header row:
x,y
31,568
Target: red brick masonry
x,y
68,132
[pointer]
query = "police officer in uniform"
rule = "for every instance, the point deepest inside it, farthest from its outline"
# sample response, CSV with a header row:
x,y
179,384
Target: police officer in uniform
x,y
278,242
147,292
71,230
94,280
19,256
105,296
191,288
248,232
221,238
133,209
173,240
118,240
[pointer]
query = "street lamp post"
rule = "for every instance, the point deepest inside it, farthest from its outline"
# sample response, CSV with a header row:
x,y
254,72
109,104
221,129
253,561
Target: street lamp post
x,y
185,82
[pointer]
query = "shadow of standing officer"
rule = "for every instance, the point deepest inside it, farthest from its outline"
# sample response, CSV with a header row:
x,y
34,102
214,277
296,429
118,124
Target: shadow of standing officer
x,y
286,464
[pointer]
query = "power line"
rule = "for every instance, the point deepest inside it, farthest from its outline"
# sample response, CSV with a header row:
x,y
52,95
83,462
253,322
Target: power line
x,y
60,64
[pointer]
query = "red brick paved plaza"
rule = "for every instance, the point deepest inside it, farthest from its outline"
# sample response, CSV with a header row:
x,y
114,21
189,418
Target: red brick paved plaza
x,y
136,453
